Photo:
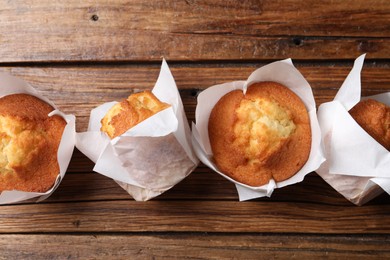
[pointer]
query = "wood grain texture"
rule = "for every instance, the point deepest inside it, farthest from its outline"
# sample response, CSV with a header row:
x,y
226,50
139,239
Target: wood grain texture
x,y
202,184
192,30
192,246
195,216
81,54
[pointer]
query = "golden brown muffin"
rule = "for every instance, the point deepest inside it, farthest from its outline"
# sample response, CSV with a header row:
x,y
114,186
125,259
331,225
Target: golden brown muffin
x,y
128,113
29,144
374,118
261,135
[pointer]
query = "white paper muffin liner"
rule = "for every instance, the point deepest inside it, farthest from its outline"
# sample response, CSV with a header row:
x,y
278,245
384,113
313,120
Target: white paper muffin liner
x,y
284,73
13,85
357,166
152,156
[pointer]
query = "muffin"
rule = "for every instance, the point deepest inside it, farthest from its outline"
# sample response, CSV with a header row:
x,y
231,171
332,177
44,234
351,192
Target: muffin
x,y
29,143
374,117
128,113
262,135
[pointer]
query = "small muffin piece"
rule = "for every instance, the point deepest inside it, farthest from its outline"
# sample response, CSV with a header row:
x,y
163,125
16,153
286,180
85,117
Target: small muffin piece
x,y
128,113
29,144
374,117
262,135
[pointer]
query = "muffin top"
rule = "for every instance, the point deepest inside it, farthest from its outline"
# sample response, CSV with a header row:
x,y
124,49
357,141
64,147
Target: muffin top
x,y
29,143
131,111
262,135
374,117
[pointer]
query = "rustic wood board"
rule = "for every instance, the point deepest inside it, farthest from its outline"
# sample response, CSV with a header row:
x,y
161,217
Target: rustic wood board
x,y
192,30
192,246
82,54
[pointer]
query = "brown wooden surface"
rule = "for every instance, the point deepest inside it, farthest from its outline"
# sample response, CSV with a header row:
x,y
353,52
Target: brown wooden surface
x,y
80,54
192,30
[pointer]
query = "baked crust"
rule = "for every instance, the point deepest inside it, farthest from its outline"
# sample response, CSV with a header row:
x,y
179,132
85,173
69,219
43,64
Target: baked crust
x,y
262,135
29,143
128,113
374,117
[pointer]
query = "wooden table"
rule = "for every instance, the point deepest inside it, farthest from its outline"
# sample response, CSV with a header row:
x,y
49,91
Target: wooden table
x,y
81,54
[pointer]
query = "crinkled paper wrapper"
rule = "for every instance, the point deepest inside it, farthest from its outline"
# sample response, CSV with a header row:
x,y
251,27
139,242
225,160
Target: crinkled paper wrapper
x,y
284,73
357,166
152,156
12,85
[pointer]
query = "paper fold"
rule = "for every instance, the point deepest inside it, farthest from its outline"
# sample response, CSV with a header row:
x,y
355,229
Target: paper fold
x,y
357,166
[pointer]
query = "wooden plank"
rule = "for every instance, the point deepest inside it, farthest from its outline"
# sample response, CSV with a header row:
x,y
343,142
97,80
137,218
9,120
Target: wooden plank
x,y
77,90
202,184
182,47
345,18
195,216
192,30
192,246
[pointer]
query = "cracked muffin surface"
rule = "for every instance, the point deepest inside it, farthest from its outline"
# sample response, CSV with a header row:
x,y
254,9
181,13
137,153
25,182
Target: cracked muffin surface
x,y
131,111
29,143
262,135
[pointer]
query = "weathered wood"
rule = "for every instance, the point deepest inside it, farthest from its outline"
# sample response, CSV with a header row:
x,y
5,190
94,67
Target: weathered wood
x,y
202,184
192,246
195,216
192,30
81,54
77,90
